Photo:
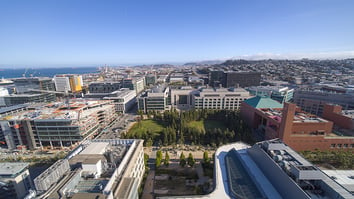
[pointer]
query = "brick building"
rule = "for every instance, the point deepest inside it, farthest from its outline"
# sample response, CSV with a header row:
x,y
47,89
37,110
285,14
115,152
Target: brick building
x,y
298,129
343,119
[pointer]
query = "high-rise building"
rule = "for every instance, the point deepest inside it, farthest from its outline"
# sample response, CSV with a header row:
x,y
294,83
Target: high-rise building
x,y
234,79
68,82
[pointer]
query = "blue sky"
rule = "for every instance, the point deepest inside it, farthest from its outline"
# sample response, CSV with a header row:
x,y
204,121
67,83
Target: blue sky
x,y
87,32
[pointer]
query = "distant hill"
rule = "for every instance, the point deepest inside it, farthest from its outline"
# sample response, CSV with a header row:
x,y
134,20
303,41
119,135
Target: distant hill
x,y
207,62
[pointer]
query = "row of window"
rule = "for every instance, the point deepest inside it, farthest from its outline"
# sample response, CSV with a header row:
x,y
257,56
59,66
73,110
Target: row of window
x,y
342,146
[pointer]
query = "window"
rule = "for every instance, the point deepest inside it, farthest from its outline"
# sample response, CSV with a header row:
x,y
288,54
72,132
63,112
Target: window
x,y
333,145
339,145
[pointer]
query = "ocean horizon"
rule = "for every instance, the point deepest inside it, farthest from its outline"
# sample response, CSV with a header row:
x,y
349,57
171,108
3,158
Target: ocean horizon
x,y
8,73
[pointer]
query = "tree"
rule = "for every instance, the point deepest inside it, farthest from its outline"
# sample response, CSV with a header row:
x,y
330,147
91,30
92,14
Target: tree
x,y
158,158
146,159
182,160
149,142
190,160
206,157
167,159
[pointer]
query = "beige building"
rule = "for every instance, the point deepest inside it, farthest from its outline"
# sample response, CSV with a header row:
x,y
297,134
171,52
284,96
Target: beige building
x,y
220,99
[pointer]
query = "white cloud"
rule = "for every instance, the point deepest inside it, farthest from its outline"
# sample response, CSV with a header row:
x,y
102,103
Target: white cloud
x,y
318,55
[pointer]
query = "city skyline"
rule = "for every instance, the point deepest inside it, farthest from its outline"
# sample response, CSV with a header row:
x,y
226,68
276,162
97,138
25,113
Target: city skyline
x,y
86,33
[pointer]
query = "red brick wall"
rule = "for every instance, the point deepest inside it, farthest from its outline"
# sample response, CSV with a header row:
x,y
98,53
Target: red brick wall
x,y
303,143
334,113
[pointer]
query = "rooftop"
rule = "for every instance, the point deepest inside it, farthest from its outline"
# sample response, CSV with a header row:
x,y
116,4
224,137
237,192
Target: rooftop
x,y
12,168
263,102
342,177
299,116
95,148
58,110
348,113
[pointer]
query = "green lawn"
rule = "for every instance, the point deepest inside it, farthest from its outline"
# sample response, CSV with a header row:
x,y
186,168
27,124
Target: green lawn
x,y
207,124
146,125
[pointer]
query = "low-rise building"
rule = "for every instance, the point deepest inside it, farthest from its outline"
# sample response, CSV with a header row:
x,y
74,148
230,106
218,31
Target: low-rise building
x,y
15,180
96,169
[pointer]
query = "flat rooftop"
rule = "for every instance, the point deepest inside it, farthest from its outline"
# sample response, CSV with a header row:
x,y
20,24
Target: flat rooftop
x,y
58,110
348,113
12,168
299,117
86,158
95,148
342,177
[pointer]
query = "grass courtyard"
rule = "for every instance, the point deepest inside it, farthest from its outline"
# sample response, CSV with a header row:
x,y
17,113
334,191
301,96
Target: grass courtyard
x,y
155,127
144,126
206,124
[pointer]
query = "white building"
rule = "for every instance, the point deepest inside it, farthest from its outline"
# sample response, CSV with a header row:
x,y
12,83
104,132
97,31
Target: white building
x,y
124,99
69,82
182,99
62,83
221,99
279,93
98,169
3,92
